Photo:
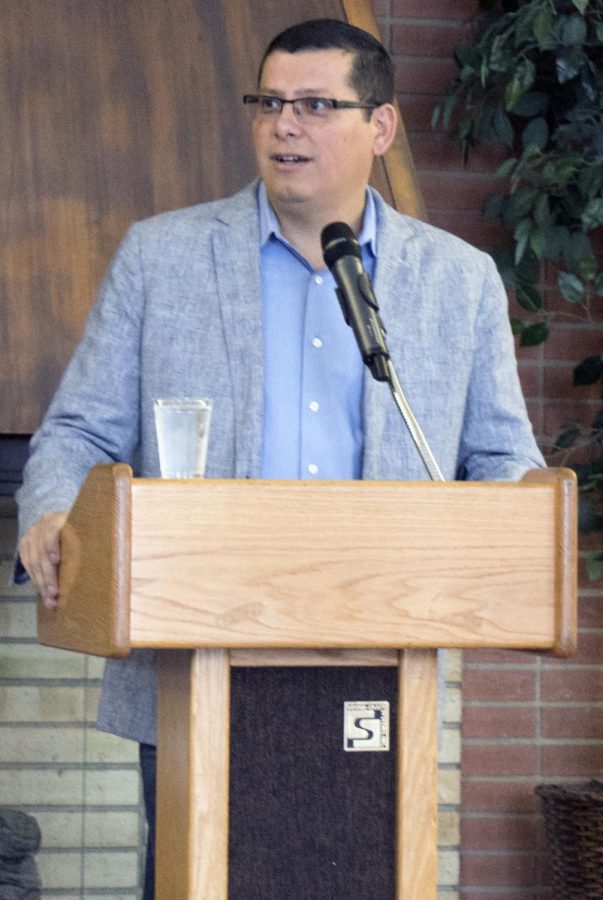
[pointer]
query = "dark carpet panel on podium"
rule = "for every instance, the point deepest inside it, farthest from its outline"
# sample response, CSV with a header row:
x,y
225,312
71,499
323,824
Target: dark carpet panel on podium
x,y
308,819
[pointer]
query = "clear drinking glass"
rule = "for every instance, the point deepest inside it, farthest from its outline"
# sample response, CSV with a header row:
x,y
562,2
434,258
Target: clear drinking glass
x,y
182,425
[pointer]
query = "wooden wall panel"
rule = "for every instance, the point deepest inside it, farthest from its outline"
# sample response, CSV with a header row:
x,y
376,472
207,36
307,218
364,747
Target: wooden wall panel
x,y
112,110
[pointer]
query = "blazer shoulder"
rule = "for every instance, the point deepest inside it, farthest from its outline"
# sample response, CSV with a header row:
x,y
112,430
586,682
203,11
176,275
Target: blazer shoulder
x,y
425,238
178,223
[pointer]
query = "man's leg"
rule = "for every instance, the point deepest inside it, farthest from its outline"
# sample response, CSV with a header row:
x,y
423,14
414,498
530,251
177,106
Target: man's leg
x,y
148,769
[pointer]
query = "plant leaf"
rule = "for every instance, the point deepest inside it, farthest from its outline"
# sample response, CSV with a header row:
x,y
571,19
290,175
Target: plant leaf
x,y
493,207
499,58
598,422
517,326
542,26
506,269
594,565
573,30
587,268
576,248
534,334
522,81
503,127
467,56
570,287
538,242
528,297
526,73
529,269
518,206
587,515
522,235
449,104
567,438
592,216
531,103
580,5
536,133
566,66
588,371
505,168
542,212
556,239
590,181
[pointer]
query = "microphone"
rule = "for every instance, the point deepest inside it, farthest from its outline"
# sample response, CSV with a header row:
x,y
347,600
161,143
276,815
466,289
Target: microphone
x,y
341,252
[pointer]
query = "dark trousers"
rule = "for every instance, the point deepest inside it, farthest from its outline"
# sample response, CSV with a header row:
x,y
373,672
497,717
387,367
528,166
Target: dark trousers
x,y
148,769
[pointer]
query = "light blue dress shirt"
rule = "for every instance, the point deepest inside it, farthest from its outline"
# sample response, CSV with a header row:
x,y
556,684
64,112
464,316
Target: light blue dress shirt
x,y
313,369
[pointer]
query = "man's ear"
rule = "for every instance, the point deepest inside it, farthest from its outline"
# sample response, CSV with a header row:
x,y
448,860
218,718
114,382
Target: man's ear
x,y
385,122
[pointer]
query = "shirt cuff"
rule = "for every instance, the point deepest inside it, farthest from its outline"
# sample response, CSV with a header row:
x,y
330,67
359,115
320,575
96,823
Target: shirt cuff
x,y
19,574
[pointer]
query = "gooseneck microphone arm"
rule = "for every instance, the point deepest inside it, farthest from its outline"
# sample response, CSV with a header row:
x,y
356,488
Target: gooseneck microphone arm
x,y
360,309
420,441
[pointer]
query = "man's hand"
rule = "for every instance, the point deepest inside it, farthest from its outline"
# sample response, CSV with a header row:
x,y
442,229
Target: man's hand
x,y
40,552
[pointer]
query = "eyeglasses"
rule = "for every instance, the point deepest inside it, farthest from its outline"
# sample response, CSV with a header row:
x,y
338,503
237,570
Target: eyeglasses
x,y
265,105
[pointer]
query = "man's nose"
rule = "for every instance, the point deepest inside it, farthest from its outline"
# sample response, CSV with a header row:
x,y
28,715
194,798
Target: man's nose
x,y
287,120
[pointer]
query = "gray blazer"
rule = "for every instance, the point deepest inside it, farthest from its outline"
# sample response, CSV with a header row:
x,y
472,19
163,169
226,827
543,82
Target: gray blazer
x,y
179,313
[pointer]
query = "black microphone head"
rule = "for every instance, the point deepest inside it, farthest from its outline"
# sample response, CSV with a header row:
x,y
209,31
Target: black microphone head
x,y
337,240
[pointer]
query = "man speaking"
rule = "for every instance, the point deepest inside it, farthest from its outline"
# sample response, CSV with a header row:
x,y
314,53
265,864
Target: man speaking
x,y
232,300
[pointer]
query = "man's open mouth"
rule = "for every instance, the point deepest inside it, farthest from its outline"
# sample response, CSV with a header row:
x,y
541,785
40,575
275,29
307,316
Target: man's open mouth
x,y
289,158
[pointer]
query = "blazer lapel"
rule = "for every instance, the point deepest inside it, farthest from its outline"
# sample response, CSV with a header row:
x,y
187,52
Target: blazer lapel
x,y
237,264
388,449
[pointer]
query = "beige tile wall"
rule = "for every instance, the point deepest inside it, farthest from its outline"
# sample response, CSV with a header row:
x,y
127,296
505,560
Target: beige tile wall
x,y
82,786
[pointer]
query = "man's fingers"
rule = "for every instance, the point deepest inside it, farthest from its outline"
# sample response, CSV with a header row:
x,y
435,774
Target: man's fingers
x,y
51,543
42,572
40,552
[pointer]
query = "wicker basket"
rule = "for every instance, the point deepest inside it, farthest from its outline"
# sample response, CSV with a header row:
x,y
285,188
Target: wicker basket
x,y
573,816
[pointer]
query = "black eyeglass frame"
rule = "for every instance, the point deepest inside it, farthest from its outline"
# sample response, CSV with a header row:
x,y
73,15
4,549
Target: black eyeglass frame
x,y
250,99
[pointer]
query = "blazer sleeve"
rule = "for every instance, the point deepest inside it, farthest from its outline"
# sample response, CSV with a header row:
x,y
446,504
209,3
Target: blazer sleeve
x,y
497,441
94,416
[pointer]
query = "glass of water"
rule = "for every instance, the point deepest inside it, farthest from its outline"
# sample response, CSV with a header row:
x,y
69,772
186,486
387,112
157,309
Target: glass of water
x,y
182,425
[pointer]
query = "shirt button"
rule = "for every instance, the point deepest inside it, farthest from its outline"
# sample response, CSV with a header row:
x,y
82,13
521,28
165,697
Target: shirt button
x,y
313,469
318,279
314,406
317,342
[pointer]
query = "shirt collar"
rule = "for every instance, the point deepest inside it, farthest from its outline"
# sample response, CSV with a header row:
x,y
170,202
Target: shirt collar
x,y
269,223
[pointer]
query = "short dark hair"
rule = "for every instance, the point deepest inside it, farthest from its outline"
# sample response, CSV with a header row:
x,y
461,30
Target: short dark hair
x,y
372,73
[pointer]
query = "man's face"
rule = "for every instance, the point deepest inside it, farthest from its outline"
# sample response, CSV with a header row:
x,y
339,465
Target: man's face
x,y
322,163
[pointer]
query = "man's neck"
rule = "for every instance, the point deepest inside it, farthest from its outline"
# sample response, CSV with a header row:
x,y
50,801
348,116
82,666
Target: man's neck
x,y
303,227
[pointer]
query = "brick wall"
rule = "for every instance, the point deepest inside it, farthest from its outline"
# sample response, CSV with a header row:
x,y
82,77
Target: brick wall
x,y
526,719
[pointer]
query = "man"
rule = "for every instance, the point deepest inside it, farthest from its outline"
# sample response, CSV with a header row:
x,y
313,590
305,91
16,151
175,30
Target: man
x,y
231,300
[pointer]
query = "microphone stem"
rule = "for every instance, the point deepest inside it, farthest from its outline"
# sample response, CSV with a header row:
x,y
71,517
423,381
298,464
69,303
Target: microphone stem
x,y
413,426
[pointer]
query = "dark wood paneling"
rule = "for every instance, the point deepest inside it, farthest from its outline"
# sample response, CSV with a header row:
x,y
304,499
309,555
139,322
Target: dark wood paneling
x,y
112,110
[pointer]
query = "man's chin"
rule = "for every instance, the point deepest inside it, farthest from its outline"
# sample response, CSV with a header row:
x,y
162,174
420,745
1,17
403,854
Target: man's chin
x,y
287,195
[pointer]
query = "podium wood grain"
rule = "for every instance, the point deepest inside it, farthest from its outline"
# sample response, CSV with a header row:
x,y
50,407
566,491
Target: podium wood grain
x,y
347,565
192,775
93,614
416,794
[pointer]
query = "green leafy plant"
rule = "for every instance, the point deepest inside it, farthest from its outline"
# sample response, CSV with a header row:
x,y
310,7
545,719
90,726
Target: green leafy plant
x,y
531,79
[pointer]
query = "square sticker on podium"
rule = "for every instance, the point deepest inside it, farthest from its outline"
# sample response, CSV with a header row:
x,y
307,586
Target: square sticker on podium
x,y
365,725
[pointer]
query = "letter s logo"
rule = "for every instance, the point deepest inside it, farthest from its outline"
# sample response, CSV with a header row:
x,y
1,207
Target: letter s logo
x,y
369,733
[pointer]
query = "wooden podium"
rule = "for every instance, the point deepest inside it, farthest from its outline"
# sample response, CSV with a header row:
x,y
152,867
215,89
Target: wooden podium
x,y
277,573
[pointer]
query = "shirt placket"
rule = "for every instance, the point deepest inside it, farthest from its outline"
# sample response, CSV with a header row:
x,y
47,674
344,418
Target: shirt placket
x,y
313,394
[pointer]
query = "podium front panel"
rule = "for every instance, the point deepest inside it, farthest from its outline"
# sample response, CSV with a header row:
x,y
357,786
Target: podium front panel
x,y
308,819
